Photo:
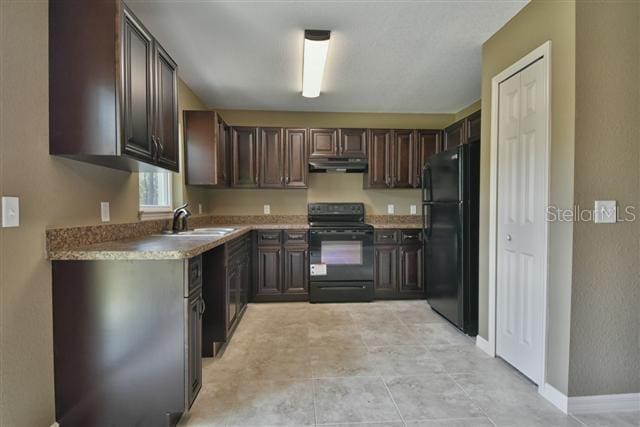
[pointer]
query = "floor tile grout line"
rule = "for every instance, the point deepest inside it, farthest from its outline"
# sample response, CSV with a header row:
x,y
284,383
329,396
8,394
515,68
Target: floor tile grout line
x,y
470,398
393,400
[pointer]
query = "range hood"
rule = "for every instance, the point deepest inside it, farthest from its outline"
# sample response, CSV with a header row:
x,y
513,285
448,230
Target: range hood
x,y
338,165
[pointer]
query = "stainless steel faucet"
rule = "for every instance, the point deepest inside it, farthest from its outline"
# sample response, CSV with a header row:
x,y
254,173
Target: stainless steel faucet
x,y
180,216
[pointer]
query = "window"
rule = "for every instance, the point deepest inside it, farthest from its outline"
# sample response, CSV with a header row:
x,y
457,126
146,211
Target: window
x,y
155,192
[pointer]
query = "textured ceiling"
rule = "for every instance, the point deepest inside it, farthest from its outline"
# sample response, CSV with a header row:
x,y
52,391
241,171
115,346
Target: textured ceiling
x,y
384,56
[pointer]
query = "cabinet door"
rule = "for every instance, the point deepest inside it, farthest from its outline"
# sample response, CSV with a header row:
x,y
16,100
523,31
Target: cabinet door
x,y
269,270
379,175
200,140
295,270
297,162
324,143
137,102
233,284
222,153
428,144
271,158
353,143
244,157
385,279
403,156
453,135
195,309
166,103
473,127
411,268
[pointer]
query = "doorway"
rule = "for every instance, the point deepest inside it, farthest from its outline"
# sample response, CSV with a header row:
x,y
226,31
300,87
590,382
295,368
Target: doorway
x,y
519,199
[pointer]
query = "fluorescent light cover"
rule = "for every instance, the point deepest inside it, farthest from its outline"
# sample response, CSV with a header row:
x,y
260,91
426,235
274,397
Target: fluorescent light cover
x,y
315,56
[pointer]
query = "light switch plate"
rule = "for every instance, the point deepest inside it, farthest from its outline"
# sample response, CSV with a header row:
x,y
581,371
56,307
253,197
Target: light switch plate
x,y
105,214
413,210
391,209
10,212
605,212
267,209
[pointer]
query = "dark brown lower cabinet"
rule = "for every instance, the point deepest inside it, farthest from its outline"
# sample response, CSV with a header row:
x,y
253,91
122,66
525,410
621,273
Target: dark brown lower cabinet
x,y
226,276
398,264
282,266
123,332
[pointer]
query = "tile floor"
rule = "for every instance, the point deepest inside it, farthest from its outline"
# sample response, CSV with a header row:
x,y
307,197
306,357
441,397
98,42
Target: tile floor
x,y
392,363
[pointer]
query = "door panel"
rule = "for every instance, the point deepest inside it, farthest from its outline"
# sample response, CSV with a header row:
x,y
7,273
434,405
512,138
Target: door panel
x,y
379,174
271,158
521,220
194,346
442,259
296,270
324,143
428,144
244,157
166,100
297,161
404,160
138,89
269,270
233,284
353,143
411,268
385,279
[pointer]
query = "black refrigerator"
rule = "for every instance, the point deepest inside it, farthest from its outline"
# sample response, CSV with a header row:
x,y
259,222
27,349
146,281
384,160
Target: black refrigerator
x,y
450,205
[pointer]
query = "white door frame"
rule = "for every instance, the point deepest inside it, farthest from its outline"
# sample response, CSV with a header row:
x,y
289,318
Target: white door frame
x,y
543,51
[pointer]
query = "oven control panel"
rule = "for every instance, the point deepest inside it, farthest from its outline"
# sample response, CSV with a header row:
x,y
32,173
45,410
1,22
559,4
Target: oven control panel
x,y
329,211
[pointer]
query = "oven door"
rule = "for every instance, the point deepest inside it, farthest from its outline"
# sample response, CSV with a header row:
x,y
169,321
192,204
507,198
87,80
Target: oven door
x,y
341,255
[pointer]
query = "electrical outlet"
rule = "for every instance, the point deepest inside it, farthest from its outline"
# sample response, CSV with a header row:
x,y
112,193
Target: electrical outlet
x,y
391,209
413,210
199,208
10,212
267,209
104,212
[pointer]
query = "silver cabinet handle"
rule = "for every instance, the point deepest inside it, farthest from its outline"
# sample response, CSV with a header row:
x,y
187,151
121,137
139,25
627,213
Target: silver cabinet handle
x,y
508,237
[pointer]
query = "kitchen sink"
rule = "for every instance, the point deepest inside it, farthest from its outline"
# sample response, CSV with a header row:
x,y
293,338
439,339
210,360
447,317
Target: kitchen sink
x,y
202,232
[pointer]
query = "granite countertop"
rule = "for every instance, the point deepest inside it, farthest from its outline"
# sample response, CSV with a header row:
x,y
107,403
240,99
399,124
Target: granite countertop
x,y
157,247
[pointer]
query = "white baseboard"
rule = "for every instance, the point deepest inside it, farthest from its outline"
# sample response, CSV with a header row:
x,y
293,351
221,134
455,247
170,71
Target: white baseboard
x,y
483,345
604,403
55,424
556,397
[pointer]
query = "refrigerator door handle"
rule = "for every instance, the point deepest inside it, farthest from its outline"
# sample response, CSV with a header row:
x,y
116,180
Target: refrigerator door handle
x,y
427,191
426,223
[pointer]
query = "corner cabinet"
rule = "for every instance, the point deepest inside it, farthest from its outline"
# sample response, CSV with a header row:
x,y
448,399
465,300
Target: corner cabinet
x,y
463,131
206,148
112,88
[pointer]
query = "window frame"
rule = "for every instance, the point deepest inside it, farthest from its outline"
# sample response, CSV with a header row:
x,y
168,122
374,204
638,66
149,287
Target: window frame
x,y
157,211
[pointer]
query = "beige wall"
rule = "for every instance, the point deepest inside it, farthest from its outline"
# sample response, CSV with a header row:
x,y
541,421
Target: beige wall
x,y
53,192
536,23
330,187
472,108
605,353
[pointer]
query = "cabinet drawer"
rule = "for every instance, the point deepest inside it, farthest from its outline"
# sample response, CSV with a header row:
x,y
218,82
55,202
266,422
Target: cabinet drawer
x,y
292,237
411,236
269,237
194,273
386,237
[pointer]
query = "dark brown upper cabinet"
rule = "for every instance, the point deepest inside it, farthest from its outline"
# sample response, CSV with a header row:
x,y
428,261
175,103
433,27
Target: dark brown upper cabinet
x,y
206,139
296,155
453,135
463,131
429,142
473,126
112,88
353,143
271,155
380,148
323,142
404,152
244,157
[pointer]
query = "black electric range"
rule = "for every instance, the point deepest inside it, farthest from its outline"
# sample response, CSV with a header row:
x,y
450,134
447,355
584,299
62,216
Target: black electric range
x,y
340,253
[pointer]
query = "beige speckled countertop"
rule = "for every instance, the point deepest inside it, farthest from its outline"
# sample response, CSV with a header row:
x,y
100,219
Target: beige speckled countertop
x,y
158,247
67,244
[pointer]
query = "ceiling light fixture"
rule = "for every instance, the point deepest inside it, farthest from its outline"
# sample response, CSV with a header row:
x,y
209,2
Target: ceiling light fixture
x,y
316,44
